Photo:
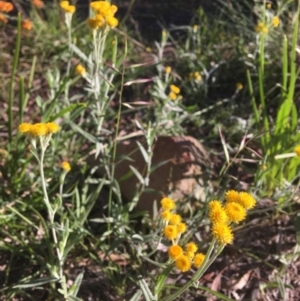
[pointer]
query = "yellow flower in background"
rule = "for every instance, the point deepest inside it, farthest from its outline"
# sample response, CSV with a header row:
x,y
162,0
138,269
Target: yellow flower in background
x,y
52,127
261,27
38,129
191,247
183,263
80,70
167,204
65,165
269,5
168,69
276,21
170,232
198,260
239,86
232,196
38,3
297,150
166,215
175,219
104,15
27,25
235,212
217,212
175,89
175,251
222,233
67,7
6,7
197,76
112,21
247,200
172,96
181,228
93,23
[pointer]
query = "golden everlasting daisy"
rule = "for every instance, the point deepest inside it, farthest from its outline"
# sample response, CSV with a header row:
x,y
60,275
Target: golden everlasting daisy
x,y
172,96
175,89
235,212
25,127
38,129
276,21
166,215
232,196
175,219
80,70
52,127
261,27
297,150
222,233
112,21
168,69
175,251
191,247
247,200
217,212
65,166
181,228
167,204
183,263
67,7
170,232
198,260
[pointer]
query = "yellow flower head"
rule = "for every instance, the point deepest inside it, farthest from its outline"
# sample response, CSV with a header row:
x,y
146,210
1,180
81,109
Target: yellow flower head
x,y
68,8
217,212
175,219
80,70
235,212
198,260
183,263
239,86
26,24
168,69
181,228
166,214
25,128
232,196
276,21
112,21
6,7
172,95
175,251
167,204
52,127
191,247
190,255
197,76
175,89
170,232
269,5
261,27
222,233
247,200
65,166
92,23
38,129
297,150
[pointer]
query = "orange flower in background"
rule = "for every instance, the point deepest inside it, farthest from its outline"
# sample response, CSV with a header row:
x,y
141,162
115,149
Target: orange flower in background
x,y
6,7
3,19
26,24
38,3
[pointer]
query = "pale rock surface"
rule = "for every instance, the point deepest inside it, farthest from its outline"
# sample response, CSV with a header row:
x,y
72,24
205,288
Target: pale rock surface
x,y
182,174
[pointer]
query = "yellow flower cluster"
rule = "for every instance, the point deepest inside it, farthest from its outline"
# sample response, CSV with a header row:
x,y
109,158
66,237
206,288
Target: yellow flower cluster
x,y
5,7
104,15
174,91
168,69
185,257
67,7
261,27
80,70
65,166
196,76
39,129
233,211
297,150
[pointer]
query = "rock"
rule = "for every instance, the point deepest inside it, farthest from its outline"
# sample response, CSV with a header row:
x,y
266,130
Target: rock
x,y
182,164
